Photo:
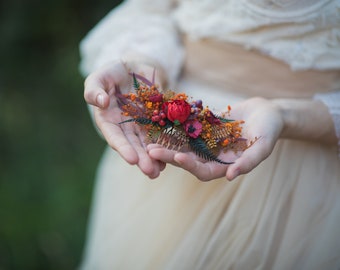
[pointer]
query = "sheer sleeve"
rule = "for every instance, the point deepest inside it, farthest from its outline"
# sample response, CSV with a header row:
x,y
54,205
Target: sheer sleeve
x,y
332,101
136,28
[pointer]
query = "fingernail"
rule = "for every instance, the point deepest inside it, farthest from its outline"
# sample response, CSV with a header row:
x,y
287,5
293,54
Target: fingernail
x,y
100,100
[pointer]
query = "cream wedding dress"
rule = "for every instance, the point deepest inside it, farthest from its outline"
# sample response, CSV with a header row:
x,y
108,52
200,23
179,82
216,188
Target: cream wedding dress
x,y
285,214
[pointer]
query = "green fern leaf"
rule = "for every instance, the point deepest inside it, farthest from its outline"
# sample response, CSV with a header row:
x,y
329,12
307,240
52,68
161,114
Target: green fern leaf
x,y
201,149
225,120
135,82
140,120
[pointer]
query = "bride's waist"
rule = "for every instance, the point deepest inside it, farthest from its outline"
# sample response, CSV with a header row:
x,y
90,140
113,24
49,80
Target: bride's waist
x,y
250,73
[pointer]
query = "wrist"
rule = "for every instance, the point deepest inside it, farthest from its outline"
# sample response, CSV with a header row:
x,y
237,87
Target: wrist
x,y
287,116
305,119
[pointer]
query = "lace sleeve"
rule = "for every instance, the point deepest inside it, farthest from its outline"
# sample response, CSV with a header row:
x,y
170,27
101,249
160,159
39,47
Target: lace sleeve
x,y
332,101
135,28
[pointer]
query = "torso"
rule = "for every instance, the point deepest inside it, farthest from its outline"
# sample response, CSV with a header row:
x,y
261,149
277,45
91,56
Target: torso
x,y
251,73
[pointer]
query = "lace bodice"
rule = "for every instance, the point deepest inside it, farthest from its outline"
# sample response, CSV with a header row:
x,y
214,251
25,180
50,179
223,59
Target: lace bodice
x,y
305,33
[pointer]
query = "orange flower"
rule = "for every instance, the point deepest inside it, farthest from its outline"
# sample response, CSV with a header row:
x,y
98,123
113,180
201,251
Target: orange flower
x,y
225,142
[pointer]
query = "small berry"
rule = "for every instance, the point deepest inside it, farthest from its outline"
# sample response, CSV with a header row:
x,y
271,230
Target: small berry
x,y
155,118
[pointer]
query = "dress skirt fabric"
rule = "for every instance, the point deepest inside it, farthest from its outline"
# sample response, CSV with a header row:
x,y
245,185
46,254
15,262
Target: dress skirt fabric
x,y
285,214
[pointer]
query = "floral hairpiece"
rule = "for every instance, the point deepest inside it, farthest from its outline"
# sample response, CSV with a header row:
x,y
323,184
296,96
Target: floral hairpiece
x,y
174,122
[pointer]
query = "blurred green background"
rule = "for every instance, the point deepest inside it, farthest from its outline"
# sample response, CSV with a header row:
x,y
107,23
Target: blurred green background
x,y
49,149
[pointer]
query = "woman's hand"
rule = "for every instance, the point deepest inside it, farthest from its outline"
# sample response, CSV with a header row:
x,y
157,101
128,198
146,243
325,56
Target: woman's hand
x,y
126,139
263,120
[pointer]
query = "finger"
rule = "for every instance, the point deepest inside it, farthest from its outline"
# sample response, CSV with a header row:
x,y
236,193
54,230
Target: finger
x,y
250,158
154,146
149,166
100,84
116,138
162,154
203,171
158,168
94,92
129,146
162,165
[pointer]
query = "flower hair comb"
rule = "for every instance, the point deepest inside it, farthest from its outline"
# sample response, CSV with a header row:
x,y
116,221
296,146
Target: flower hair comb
x,y
171,120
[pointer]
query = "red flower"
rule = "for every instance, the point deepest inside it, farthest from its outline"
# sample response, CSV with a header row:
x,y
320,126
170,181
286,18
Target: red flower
x,y
177,110
193,128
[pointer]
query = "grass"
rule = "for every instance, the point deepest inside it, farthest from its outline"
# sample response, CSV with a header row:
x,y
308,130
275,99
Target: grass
x,y
48,147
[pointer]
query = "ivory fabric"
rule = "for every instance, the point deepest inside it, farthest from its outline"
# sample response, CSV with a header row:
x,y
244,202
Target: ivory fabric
x,y
332,101
285,214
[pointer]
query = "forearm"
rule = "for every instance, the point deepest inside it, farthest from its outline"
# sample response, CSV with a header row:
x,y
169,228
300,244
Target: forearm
x,y
306,119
